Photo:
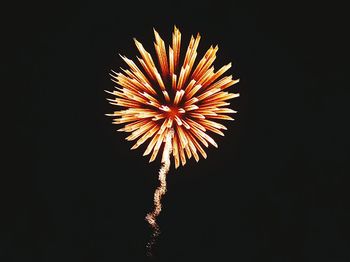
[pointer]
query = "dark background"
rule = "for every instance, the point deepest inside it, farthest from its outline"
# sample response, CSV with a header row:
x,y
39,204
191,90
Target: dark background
x,y
274,190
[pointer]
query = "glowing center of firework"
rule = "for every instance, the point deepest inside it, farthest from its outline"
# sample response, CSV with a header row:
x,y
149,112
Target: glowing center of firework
x,y
172,111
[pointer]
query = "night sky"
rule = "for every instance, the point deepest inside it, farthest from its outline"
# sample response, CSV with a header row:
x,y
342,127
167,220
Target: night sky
x,y
274,190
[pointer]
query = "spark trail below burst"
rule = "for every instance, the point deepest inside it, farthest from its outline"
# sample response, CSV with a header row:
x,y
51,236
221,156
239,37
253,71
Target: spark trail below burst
x,y
160,191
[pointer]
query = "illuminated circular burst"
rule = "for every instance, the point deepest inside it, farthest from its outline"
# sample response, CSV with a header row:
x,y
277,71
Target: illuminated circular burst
x,y
184,98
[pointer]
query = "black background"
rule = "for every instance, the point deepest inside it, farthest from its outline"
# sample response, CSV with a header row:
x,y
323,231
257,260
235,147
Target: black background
x,y
274,190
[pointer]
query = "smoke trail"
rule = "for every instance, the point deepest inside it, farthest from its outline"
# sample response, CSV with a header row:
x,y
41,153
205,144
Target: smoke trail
x,y
160,191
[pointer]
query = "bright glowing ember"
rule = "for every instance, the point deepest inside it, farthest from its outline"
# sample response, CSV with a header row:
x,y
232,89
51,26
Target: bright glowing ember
x,y
188,98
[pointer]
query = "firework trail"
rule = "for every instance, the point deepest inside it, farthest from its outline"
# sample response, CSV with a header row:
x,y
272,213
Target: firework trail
x,y
160,191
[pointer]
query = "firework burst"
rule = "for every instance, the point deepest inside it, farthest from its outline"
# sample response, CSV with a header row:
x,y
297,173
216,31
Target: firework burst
x,y
186,98
175,104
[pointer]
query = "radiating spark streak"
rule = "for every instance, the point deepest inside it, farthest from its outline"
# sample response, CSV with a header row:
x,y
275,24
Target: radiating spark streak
x,y
160,191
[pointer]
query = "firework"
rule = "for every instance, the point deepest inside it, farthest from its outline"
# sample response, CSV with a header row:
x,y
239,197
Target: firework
x,y
178,103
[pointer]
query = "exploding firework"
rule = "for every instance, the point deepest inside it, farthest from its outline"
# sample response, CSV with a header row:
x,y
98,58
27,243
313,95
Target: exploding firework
x,y
173,103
